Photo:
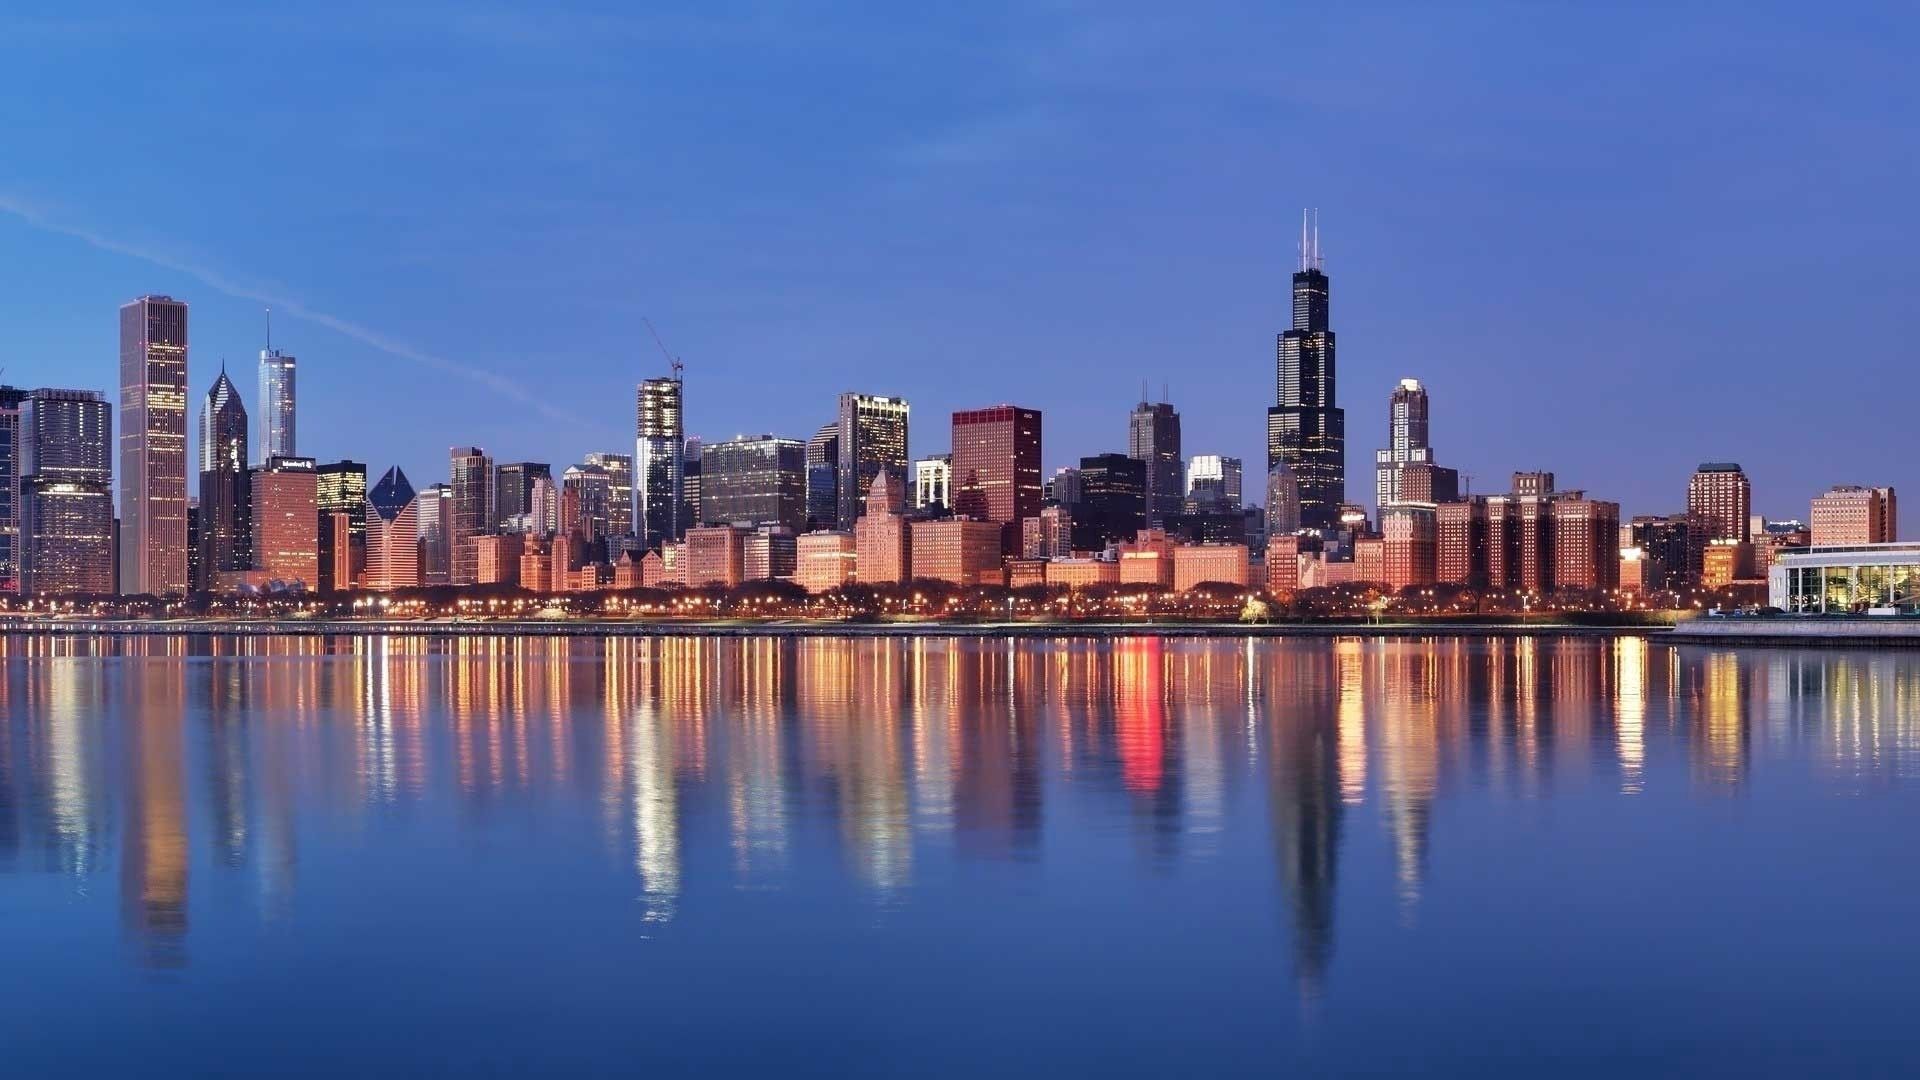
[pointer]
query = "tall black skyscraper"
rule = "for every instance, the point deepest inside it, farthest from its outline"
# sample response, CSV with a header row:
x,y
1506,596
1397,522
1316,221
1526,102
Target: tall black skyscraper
x,y
1305,428
226,505
1153,436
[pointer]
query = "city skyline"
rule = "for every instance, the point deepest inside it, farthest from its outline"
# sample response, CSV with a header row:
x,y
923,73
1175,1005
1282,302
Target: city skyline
x,y
1489,279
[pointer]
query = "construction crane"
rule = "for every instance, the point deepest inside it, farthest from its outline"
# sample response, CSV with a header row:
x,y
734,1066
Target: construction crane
x,y
673,361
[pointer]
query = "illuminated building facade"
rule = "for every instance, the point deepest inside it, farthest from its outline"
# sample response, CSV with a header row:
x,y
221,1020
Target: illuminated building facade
x,y
340,498
659,450
65,440
153,446
958,550
872,440
470,511
996,467
1851,514
1721,497
754,481
933,483
393,533
884,555
824,561
286,521
1199,564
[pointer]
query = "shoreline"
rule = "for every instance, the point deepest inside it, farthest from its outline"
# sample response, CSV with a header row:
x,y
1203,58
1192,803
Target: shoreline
x,y
904,629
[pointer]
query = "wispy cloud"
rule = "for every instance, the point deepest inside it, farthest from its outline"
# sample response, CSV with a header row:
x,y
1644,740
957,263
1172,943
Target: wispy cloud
x,y
368,336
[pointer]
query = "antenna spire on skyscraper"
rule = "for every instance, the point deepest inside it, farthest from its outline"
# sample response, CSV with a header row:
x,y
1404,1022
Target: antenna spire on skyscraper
x,y
269,312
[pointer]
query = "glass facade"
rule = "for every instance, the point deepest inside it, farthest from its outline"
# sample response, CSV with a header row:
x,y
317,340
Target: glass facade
x,y
755,482
1831,583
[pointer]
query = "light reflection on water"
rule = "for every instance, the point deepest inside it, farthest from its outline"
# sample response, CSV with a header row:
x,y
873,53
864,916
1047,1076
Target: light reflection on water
x,y
923,779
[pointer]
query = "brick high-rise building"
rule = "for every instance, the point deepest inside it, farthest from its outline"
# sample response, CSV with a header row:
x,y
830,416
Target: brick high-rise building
x,y
1851,514
1721,496
1410,542
1586,542
958,550
717,555
1534,538
885,555
824,561
1460,546
153,446
996,467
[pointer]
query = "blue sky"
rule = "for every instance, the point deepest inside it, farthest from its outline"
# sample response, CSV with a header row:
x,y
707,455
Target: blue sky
x,y
1613,240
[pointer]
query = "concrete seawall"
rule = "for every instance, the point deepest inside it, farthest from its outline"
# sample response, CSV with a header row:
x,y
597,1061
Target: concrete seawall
x,y
1809,632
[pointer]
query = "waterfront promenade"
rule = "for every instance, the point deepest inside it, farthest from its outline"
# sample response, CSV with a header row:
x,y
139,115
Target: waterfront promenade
x,y
1501,627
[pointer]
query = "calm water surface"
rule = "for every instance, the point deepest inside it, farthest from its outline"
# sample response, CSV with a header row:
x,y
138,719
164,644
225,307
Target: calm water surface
x,y
408,857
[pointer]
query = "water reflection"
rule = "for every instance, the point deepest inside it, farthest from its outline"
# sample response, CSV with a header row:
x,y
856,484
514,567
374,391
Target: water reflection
x,y
189,768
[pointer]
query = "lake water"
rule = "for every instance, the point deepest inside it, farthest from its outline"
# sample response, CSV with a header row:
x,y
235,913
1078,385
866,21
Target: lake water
x,y
933,857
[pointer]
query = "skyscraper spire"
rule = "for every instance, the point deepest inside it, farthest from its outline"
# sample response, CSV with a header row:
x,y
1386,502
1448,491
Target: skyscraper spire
x,y
269,312
1305,256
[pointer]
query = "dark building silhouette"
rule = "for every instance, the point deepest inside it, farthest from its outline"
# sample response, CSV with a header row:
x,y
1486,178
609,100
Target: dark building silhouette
x,y
1113,501
1305,428
1153,437
226,518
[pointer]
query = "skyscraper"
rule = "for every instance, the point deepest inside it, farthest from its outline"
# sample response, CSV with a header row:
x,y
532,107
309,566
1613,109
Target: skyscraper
x,y
153,446
471,511
513,491
1153,436
823,477
1214,481
276,401
340,499
11,399
433,530
658,445
1283,501
754,481
284,493
933,483
226,509
586,498
872,439
996,467
1305,428
393,533
619,470
66,493
1851,514
1722,497
1113,501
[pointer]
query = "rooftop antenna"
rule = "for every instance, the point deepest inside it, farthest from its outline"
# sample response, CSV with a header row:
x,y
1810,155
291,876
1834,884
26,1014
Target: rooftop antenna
x,y
1303,240
1317,264
673,362
1143,391
269,312
1165,394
